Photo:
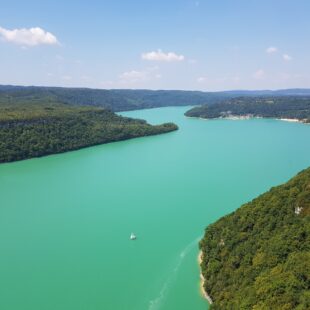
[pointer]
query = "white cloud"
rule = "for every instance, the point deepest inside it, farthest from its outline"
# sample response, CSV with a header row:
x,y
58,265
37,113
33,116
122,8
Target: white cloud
x,y
202,79
236,79
107,84
300,76
287,57
28,37
285,76
86,78
159,55
218,80
259,74
192,61
135,76
271,50
67,77
59,58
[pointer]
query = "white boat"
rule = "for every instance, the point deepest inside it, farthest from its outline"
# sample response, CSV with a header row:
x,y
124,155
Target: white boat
x,y
133,236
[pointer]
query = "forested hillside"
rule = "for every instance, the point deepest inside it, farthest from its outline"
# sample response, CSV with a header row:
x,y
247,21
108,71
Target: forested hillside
x,y
294,107
37,129
259,256
127,99
115,100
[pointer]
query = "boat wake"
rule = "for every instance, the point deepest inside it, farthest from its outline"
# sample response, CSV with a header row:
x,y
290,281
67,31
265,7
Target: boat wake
x,y
155,303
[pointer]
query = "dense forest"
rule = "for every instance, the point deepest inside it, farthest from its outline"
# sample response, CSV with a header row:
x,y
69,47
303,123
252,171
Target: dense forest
x,y
258,256
126,99
115,99
41,128
295,107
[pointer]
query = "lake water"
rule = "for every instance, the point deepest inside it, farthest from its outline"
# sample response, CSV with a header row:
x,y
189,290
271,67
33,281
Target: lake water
x,y
65,220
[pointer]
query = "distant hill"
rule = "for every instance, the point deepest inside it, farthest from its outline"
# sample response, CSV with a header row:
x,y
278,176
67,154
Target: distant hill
x,y
115,100
281,92
287,107
258,257
126,99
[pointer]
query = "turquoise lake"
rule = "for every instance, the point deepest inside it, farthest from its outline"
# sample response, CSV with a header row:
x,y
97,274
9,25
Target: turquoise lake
x,y
65,220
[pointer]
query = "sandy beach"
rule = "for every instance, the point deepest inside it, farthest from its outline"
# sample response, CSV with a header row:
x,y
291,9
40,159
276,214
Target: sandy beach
x,y
202,280
295,120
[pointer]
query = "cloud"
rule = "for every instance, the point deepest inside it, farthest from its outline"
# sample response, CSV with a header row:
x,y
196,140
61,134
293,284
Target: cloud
x,y
86,78
135,76
259,74
202,79
271,50
107,84
159,55
286,57
218,80
285,76
28,37
67,77
59,58
236,79
192,61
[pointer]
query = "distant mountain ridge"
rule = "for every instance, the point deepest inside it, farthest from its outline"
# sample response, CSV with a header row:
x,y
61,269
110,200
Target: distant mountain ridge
x,y
128,99
115,99
279,92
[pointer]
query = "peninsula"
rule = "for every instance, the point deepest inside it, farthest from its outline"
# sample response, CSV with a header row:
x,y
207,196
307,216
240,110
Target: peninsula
x,y
35,129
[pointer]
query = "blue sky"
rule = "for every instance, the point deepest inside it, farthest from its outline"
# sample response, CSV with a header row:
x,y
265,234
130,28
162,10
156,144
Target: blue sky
x,y
195,45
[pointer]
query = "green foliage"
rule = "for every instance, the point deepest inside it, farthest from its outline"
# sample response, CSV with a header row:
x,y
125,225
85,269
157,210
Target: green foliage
x,y
114,99
127,99
37,129
269,107
258,257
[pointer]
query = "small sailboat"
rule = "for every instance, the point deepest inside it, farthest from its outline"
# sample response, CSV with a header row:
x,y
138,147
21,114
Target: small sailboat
x,y
133,236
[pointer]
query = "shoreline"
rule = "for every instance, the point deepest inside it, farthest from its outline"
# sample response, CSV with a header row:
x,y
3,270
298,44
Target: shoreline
x,y
247,117
293,120
202,281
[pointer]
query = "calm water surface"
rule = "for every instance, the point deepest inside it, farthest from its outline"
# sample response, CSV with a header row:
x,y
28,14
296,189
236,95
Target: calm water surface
x,y
65,220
